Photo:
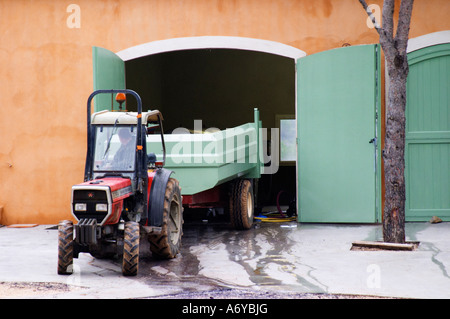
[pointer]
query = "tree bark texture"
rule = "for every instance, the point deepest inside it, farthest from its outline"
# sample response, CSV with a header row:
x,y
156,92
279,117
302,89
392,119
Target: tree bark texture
x,y
394,160
394,147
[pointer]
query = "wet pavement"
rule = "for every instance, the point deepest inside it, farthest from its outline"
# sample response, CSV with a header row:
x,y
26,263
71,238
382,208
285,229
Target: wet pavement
x,y
272,259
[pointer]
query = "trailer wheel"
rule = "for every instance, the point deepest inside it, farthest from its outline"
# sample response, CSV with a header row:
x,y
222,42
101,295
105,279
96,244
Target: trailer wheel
x,y
242,207
130,262
65,247
167,244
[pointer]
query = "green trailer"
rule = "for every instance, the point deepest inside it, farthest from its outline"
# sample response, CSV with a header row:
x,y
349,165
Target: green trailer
x,y
215,168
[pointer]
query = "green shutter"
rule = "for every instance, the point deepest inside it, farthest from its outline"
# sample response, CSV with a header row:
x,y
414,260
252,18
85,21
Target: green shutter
x,y
427,151
336,118
109,73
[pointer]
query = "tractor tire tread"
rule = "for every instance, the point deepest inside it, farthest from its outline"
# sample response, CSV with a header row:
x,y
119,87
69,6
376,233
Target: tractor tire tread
x,y
65,247
160,244
130,263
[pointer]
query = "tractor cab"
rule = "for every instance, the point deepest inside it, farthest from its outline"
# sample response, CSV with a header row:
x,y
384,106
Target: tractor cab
x,y
115,144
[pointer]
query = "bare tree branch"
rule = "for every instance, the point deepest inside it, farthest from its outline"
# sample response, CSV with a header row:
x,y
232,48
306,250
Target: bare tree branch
x,y
371,15
385,32
388,20
381,31
404,21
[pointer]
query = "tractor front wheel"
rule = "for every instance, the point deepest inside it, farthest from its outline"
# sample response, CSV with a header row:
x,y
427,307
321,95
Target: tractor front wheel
x,y
65,247
167,244
130,262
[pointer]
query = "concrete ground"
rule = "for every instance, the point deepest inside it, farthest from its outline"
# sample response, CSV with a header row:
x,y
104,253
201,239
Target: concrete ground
x,y
284,259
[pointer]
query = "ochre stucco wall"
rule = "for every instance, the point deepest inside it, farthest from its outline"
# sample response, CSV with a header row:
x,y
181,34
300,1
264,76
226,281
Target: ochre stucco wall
x,y
46,72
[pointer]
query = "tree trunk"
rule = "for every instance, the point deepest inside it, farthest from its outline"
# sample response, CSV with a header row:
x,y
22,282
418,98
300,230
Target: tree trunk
x,y
394,144
393,153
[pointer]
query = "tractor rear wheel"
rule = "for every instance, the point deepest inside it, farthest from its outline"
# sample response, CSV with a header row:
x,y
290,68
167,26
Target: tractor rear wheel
x,y
167,244
242,207
65,247
130,262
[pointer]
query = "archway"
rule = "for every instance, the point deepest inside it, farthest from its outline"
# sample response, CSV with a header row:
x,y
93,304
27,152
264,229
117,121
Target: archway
x,y
210,42
187,78
218,80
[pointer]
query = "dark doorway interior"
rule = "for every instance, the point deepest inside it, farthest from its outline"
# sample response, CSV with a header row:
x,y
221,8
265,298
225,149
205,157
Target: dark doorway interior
x,y
220,87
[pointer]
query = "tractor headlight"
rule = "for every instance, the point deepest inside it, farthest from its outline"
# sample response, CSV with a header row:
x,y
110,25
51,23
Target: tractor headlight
x,y
80,207
101,207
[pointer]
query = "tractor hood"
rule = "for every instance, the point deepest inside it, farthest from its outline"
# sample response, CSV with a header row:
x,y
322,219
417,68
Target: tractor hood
x,y
118,187
100,199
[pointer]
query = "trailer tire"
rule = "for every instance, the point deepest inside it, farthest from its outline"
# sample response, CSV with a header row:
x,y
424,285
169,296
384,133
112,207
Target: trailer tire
x,y
242,208
166,245
130,260
65,247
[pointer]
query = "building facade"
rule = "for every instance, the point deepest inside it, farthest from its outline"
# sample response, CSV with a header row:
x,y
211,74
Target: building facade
x,y
47,74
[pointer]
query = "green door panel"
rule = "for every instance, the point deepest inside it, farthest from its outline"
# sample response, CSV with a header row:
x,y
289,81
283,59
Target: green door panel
x,y
337,97
427,149
109,73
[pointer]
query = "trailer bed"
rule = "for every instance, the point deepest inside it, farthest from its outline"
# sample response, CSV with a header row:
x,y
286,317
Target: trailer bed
x,y
202,161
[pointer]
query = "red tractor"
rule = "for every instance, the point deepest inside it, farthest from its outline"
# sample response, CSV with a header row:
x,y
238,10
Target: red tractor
x,y
126,194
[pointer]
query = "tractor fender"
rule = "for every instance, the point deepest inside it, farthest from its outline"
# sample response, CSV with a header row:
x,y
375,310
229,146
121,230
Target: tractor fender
x,y
156,198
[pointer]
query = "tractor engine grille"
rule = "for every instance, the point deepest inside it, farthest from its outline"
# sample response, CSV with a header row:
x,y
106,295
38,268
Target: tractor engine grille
x,y
90,198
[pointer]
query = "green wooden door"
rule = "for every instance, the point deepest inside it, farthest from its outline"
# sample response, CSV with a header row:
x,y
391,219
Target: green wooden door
x,y
109,73
427,151
337,98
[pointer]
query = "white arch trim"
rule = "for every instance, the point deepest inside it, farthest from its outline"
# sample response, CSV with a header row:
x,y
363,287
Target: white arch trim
x,y
428,40
210,42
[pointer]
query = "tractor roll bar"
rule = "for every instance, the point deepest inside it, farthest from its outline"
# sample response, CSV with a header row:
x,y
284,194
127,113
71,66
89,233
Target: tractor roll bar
x,y
126,91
